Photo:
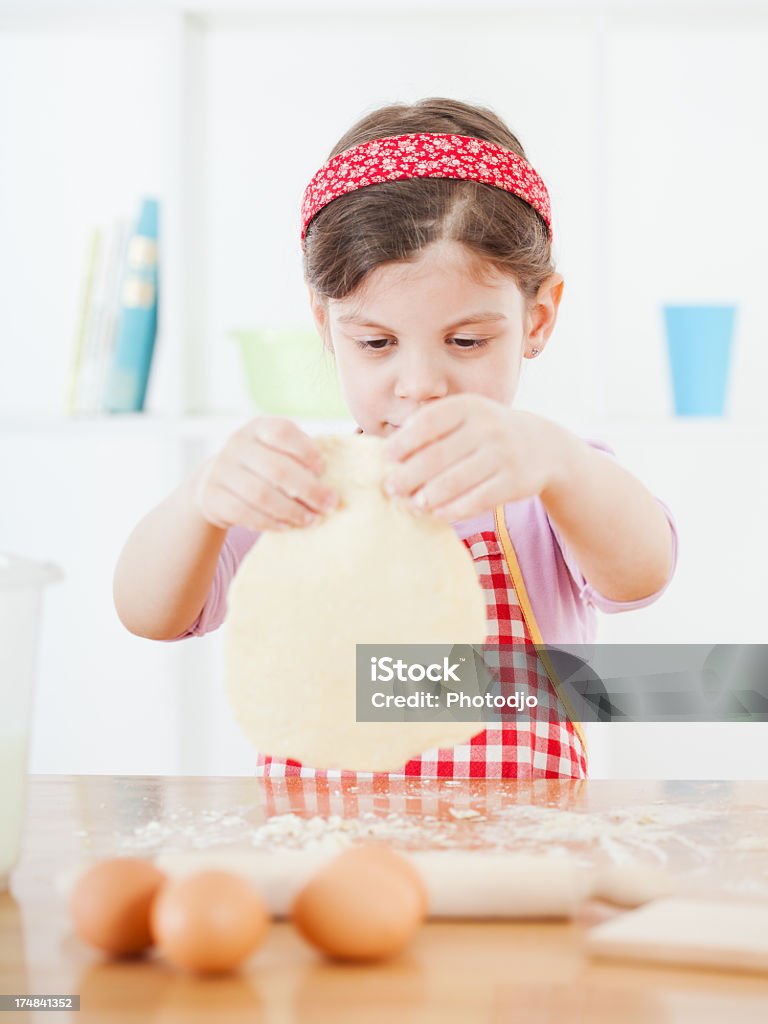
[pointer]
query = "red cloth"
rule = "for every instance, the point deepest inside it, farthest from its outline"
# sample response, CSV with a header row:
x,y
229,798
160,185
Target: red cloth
x,y
541,744
424,155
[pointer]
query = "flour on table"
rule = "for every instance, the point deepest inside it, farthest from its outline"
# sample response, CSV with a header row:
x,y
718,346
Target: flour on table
x,y
644,833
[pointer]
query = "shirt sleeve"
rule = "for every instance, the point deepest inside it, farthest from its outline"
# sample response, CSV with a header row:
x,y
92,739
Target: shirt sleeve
x,y
589,594
237,543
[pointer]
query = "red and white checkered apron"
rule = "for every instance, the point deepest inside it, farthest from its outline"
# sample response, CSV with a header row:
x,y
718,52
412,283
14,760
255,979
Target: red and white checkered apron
x,y
543,744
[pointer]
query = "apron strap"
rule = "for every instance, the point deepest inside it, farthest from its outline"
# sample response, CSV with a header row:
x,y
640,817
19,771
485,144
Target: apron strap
x,y
533,628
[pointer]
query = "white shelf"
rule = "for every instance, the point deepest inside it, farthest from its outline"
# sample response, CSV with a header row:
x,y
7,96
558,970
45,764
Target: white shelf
x,y
140,425
181,427
225,9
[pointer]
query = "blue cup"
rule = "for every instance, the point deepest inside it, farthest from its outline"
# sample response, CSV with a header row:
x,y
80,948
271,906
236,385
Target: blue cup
x,y
699,346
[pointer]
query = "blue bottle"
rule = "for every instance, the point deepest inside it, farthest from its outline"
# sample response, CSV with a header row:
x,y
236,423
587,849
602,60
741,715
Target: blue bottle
x,y
128,376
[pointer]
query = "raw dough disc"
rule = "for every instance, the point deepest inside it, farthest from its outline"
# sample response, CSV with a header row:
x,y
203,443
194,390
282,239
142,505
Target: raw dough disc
x,y
369,572
631,885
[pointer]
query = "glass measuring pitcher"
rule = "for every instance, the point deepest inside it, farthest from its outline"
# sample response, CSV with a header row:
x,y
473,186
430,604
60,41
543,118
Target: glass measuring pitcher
x,y
21,590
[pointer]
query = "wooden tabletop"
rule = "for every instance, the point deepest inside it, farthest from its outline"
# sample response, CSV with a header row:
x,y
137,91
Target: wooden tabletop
x,y
452,971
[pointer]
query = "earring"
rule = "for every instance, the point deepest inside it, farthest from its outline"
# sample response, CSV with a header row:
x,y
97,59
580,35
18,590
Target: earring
x,y
534,352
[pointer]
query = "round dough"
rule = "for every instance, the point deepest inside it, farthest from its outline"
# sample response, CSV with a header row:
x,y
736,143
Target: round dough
x,y
631,885
369,572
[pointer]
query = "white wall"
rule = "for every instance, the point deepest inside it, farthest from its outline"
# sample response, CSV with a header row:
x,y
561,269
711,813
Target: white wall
x,y
257,91
656,177
686,207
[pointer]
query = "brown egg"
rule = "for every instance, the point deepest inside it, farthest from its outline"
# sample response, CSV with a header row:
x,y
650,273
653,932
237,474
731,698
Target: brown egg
x,y
208,922
400,862
362,905
110,904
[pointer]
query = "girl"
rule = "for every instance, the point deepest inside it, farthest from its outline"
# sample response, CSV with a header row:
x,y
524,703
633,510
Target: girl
x,y
427,254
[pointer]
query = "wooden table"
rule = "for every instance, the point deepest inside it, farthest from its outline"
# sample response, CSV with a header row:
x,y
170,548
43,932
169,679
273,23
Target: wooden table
x,y
453,971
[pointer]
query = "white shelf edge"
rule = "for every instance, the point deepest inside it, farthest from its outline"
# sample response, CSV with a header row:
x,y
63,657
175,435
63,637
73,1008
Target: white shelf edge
x,y
214,424
144,424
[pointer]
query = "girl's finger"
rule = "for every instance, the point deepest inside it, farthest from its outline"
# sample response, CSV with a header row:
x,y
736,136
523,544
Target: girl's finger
x,y
260,496
460,478
283,435
428,424
286,475
424,465
228,508
474,502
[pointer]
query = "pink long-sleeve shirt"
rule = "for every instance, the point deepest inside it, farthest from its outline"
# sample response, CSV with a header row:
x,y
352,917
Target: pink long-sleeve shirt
x,y
564,604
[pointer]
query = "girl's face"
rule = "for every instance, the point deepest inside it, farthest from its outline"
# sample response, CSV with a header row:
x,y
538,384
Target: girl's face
x,y
416,332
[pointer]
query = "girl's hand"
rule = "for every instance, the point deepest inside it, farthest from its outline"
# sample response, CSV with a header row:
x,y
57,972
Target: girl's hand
x,y
266,477
462,455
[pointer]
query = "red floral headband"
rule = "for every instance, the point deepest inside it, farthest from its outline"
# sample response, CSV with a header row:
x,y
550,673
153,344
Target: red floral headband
x,y
424,155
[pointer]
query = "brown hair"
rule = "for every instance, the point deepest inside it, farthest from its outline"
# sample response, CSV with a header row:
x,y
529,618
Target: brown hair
x,y
396,220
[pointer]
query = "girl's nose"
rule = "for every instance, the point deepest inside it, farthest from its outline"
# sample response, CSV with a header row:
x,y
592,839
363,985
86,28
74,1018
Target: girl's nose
x,y
420,380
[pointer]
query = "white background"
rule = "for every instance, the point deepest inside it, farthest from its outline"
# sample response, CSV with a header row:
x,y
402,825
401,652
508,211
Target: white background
x,y
644,120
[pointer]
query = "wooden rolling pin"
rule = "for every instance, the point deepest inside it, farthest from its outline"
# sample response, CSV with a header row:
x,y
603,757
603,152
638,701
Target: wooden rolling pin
x,y
459,884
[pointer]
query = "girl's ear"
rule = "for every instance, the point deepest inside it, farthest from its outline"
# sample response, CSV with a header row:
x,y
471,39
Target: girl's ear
x,y
542,315
320,316
318,311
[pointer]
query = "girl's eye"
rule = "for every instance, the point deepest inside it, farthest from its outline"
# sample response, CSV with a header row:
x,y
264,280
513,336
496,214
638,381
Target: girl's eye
x,y
376,344
469,343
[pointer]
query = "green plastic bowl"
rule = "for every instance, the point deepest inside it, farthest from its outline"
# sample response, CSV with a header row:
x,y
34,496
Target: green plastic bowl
x,y
290,373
